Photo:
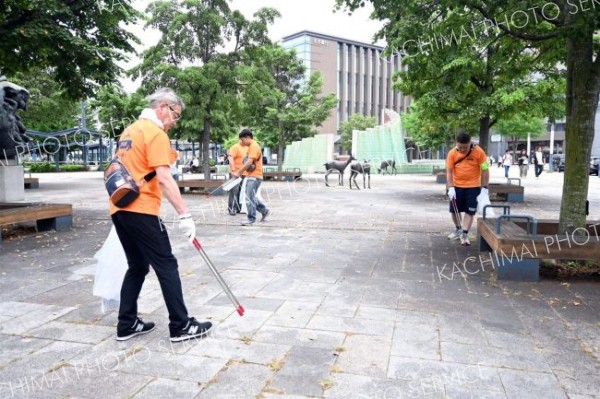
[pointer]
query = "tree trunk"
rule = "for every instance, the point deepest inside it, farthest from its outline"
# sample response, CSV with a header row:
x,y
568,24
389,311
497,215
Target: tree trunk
x,y
582,101
205,149
484,133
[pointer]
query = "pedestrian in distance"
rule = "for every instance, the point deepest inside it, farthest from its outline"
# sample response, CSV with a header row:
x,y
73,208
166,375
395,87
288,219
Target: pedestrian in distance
x,y
523,162
144,148
507,160
235,158
538,160
252,169
467,175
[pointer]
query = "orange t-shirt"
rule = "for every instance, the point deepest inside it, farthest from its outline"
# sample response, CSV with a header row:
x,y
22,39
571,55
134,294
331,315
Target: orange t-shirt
x,y
142,147
255,153
467,173
237,152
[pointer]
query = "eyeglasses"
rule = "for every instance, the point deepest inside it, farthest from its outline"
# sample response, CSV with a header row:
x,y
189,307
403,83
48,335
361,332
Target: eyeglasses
x,y
177,114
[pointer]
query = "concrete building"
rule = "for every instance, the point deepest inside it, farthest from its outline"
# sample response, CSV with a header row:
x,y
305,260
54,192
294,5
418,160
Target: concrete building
x,y
355,71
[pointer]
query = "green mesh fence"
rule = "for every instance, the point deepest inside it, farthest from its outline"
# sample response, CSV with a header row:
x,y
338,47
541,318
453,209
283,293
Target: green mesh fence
x,y
376,145
380,144
309,154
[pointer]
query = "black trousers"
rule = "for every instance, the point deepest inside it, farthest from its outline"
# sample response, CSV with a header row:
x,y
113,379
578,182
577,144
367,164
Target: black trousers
x,y
146,242
539,168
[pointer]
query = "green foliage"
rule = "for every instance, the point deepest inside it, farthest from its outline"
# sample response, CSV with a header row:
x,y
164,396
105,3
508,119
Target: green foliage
x,y
48,167
424,129
79,41
41,167
49,108
278,101
356,122
197,32
522,125
117,109
466,73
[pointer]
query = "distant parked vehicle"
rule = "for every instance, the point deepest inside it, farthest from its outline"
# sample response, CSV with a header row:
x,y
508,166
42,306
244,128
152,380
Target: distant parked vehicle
x,y
594,164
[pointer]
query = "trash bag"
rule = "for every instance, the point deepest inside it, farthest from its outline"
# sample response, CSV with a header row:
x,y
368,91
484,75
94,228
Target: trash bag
x,y
110,271
483,199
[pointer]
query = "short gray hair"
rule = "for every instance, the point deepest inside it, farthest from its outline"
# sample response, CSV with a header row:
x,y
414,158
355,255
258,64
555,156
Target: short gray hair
x,y
165,95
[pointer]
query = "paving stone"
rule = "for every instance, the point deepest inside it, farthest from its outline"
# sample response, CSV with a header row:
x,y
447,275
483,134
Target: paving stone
x,y
418,341
351,325
16,347
520,384
475,354
40,361
237,380
293,314
173,366
249,352
33,319
84,333
14,309
579,383
243,326
303,372
465,329
439,376
165,388
351,386
511,341
365,355
299,337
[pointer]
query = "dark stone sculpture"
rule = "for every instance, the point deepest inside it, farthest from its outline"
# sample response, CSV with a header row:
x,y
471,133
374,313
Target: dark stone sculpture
x,y
12,130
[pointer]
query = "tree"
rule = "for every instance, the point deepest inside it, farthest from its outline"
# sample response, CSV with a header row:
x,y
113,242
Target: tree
x,y
466,71
356,122
427,129
197,32
80,41
278,101
521,126
49,108
562,31
116,109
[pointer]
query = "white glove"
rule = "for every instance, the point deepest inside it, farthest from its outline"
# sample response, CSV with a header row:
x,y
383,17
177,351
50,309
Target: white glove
x,y
451,193
485,192
187,226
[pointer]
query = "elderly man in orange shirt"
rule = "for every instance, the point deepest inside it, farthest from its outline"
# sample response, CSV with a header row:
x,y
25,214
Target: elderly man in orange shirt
x,y
144,148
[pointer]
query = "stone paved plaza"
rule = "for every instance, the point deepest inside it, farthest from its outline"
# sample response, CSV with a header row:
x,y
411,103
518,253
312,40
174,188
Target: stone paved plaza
x,y
346,296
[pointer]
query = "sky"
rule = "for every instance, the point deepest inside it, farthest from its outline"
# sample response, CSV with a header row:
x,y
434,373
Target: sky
x,y
314,15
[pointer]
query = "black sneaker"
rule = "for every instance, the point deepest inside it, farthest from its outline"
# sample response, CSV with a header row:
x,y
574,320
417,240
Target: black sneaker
x,y
139,327
265,215
193,329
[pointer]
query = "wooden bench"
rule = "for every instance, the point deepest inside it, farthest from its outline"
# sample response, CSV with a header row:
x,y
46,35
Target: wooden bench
x,y
507,192
517,243
436,171
204,186
47,216
32,182
290,174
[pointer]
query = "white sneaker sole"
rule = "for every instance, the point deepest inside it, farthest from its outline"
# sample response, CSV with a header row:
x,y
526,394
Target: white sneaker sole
x,y
135,334
188,337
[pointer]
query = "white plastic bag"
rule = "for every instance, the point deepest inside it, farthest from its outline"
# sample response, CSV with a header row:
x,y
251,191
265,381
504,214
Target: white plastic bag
x,y
483,199
110,271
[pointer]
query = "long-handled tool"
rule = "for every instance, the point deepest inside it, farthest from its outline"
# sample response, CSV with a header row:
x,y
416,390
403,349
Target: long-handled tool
x,y
456,212
228,185
238,307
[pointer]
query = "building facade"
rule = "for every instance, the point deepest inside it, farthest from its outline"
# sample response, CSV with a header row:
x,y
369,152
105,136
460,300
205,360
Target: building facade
x,y
357,72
